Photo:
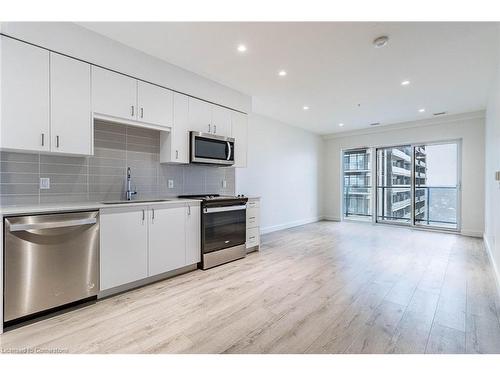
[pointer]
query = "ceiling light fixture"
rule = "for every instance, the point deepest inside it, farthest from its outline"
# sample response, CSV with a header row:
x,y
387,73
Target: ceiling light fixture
x,y
405,83
282,73
421,110
341,124
242,48
305,108
381,41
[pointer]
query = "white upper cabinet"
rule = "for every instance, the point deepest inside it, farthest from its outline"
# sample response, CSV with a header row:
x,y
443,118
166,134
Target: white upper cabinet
x,y
200,116
175,144
154,104
25,96
221,121
114,94
167,242
70,106
239,124
209,118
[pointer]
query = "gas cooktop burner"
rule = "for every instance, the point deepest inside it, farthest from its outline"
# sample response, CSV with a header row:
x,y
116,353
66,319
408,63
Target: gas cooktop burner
x,y
211,197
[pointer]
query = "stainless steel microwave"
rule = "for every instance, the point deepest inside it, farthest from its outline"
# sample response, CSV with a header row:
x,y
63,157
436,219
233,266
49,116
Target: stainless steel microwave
x,y
211,149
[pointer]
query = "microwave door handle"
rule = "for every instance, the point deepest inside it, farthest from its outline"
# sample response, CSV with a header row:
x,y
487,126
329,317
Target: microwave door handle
x,y
229,150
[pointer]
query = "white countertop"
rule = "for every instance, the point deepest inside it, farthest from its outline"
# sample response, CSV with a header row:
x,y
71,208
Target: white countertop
x,y
83,206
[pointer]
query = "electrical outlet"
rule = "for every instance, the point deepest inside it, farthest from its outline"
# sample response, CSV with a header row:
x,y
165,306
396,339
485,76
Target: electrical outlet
x,y
170,184
224,184
44,183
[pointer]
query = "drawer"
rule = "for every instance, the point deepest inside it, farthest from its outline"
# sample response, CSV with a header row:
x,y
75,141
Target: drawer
x,y
253,237
253,219
253,204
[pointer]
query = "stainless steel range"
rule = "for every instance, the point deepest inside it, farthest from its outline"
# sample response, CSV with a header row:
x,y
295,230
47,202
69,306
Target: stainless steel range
x,y
223,228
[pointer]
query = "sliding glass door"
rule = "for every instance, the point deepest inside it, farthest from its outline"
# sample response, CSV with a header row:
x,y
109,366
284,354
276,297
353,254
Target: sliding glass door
x,y
357,185
394,187
436,197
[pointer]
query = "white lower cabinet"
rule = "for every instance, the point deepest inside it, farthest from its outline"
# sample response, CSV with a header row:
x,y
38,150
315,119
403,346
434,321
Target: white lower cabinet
x,y
253,224
123,246
193,234
136,243
167,239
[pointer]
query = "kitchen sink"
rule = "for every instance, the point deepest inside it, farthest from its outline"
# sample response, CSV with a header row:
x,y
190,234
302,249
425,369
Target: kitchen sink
x,y
137,201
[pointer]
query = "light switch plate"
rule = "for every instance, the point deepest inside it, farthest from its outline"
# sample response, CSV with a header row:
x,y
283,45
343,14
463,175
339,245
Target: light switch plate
x,y
170,184
44,183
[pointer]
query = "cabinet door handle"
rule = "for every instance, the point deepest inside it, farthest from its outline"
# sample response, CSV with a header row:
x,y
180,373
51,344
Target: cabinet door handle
x,y
43,139
215,129
143,215
189,210
57,141
142,112
153,214
209,128
132,111
177,154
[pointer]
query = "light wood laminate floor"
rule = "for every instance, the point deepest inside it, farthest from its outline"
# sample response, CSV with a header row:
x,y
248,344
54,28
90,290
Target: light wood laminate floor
x,y
320,288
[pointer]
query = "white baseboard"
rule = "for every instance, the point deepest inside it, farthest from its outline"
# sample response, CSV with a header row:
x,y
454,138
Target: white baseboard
x,y
331,218
470,233
493,263
291,224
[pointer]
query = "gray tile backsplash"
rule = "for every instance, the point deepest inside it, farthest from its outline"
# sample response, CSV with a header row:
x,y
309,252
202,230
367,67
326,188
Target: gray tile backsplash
x,y
102,176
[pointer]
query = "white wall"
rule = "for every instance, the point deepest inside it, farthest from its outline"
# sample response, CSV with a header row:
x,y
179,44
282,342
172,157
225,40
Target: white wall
x,y
467,127
79,42
284,169
492,187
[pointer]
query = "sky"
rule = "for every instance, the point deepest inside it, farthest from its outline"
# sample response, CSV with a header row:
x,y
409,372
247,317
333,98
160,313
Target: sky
x,y
442,164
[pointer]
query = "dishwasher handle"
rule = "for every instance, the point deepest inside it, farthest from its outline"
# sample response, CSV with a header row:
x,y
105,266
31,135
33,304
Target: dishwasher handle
x,y
51,225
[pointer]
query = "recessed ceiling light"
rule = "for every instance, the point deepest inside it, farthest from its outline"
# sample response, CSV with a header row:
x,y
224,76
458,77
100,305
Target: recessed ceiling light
x,y
282,73
405,83
421,110
242,48
305,108
341,124
381,41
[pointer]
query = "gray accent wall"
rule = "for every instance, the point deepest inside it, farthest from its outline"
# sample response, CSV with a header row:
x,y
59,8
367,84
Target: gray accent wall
x,y
102,177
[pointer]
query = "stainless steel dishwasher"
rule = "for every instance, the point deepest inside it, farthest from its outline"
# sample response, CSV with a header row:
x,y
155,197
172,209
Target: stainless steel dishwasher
x,y
49,261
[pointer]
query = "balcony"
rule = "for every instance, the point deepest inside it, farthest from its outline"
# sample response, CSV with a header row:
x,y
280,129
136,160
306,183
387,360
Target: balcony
x,y
396,206
401,155
398,171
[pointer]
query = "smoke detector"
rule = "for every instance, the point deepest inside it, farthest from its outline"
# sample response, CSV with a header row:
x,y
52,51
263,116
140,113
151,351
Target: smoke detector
x,y
381,41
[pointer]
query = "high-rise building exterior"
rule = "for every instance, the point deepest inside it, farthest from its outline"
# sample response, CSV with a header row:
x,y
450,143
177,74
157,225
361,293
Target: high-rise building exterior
x,y
357,184
393,184
394,173
421,194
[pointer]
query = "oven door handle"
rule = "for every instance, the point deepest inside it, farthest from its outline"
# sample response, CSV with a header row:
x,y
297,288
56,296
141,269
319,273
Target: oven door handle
x,y
209,210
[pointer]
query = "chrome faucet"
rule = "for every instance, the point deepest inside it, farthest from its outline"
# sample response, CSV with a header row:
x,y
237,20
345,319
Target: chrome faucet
x,y
129,193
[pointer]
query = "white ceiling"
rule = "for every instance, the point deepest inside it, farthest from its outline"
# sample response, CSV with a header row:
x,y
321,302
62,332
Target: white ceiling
x,y
332,66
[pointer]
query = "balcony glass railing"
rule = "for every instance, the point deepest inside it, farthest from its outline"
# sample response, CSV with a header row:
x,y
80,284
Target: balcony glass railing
x,y
394,204
440,208
357,202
